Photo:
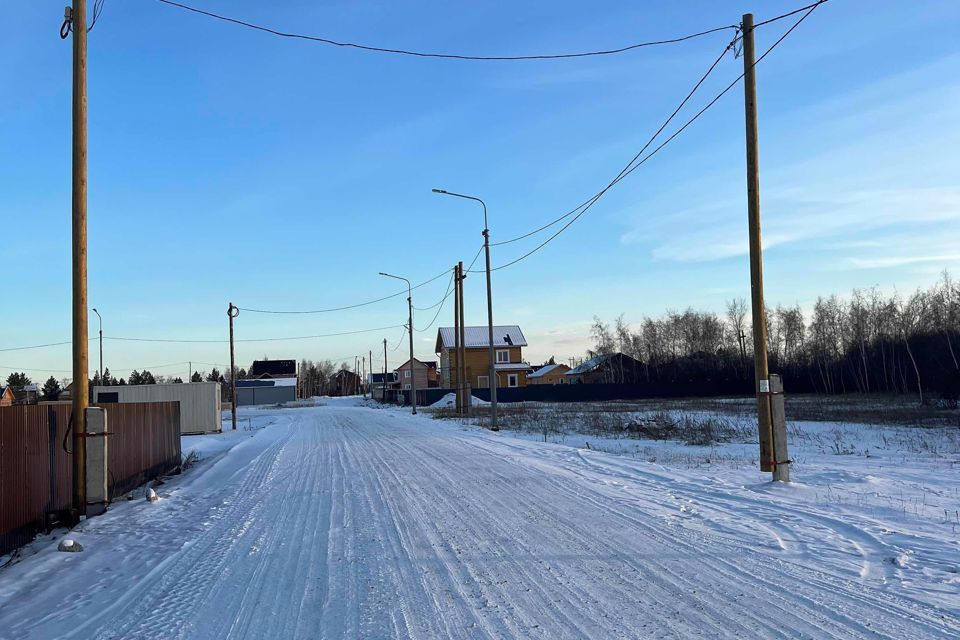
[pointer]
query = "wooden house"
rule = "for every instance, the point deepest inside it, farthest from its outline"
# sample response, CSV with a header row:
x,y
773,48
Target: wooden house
x,y
508,343
549,374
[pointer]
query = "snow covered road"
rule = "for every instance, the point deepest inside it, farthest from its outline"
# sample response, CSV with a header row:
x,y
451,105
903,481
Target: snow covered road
x,y
345,521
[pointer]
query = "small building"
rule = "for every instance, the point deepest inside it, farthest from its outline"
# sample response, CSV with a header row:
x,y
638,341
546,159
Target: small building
x,y
266,391
549,374
199,401
609,368
508,343
424,375
273,369
345,383
268,382
375,382
27,394
6,396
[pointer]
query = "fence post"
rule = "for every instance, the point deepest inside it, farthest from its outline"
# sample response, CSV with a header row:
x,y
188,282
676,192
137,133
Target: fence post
x,y
781,468
98,495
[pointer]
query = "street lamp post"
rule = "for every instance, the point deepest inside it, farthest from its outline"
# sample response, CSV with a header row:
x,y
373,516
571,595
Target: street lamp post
x,y
413,375
101,343
486,248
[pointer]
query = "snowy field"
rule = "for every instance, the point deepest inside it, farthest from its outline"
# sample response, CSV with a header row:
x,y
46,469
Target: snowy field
x,y
353,521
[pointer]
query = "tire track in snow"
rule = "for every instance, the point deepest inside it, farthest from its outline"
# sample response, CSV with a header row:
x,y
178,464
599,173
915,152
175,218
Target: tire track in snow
x,y
578,598
839,590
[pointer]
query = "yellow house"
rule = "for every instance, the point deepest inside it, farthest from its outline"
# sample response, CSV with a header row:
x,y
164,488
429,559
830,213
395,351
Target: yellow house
x,y
549,374
508,343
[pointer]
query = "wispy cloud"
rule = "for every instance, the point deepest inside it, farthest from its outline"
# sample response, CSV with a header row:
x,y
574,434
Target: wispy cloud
x,y
839,193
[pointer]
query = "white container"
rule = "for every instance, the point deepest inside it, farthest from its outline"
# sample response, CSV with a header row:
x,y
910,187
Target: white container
x,y
199,401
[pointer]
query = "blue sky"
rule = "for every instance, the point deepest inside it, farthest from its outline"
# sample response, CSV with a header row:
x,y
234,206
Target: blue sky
x,y
230,165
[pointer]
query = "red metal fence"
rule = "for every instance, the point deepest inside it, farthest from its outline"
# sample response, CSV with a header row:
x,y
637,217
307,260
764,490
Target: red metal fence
x,y
36,466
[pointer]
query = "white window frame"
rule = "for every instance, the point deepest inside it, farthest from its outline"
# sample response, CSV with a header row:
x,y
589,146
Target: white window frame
x,y
513,380
505,360
407,386
406,374
483,382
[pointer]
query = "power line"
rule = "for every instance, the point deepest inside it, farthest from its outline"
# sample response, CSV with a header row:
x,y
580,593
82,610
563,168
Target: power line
x,y
12,368
347,307
97,10
586,207
620,175
791,13
446,295
41,346
447,56
186,341
439,306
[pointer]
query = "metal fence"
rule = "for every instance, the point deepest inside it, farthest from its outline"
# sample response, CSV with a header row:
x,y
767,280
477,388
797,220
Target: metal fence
x,y
36,466
602,392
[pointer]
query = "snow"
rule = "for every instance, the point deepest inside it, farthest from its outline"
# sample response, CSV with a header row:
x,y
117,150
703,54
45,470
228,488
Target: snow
x,y
351,520
450,400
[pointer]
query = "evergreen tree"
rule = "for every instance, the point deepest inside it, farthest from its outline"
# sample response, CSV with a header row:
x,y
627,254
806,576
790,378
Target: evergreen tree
x,y
121,382
51,389
196,377
18,380
147,378
214,376
108,380
177,380
135,377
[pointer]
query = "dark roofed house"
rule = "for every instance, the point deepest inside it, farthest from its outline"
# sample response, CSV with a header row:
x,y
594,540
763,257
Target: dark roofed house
x,y
345,383
273,369
607,368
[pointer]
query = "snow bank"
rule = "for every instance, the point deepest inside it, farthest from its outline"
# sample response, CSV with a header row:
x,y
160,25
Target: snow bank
x,y
450,400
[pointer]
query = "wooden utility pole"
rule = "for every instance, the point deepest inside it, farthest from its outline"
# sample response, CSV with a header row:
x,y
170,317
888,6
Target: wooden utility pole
x,y
233,312
80,398
453,364
462,355
768,461
383,387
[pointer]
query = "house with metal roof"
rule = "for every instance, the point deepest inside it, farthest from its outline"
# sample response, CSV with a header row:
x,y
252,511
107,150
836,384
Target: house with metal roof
x,y
549,374
508,344
607,368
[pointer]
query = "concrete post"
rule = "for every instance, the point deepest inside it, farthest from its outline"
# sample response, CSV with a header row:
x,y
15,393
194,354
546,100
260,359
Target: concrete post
x,y
781,467
97,488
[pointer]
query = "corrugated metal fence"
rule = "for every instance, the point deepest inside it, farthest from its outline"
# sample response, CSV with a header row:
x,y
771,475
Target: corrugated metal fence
x,y
35,465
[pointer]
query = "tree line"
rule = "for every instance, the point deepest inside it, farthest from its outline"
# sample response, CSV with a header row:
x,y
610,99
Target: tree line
x,y
315,378
868,343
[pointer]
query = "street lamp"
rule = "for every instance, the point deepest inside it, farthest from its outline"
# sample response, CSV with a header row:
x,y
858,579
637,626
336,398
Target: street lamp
x,y
101,343
413,375
486,247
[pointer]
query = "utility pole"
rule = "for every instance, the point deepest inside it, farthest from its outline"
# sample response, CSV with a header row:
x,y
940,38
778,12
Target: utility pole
x,y
492,378
462,356
76,21
233,312
190,371
768,461
383,386
370,360
413,373
453,364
